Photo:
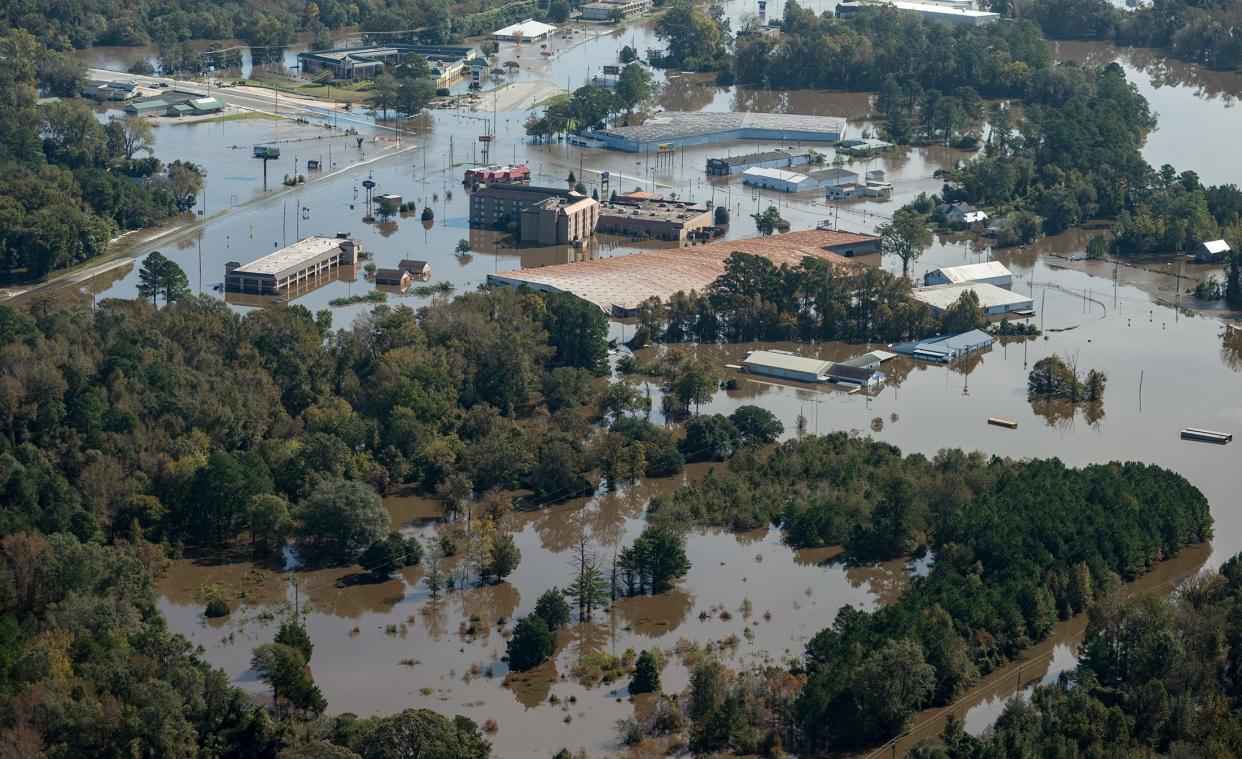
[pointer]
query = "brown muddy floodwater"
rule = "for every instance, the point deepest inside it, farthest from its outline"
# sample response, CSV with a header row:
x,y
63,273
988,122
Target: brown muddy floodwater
x,y
1188,367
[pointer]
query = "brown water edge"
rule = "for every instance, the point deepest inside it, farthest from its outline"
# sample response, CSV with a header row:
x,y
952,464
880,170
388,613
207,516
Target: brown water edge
x,y
1039,664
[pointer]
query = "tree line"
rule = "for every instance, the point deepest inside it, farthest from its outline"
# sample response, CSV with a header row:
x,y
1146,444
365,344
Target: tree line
x,y
757,300
69,184
1016,545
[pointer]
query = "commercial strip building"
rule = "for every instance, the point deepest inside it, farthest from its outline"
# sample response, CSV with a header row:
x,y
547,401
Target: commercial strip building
x,y
990,272
619,284
945,348
673,129
993,300
950,13
607,10
772,159
546,215
291,267
653,219
529,30
110,91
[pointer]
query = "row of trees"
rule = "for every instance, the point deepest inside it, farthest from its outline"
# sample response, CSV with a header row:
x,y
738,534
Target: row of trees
x,y
756,300
592,105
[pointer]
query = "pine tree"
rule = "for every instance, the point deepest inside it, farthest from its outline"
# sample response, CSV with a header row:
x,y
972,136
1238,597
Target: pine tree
x,y
646,674
149,275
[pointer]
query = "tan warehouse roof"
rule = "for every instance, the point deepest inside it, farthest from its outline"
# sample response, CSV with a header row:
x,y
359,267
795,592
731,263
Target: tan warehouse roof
x,y
297,253
621,283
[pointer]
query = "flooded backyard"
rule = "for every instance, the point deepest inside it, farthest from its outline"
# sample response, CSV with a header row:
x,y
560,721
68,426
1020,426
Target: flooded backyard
x,y
386,646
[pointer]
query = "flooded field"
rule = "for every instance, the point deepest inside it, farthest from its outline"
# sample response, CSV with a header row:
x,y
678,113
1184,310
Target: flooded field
x,y
386,646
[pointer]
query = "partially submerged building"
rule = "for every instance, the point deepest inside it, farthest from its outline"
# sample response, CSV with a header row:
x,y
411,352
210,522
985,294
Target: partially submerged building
x,y
990,272
992,299
290,267
653,219
779,180
786,365
1212,252
175,104
669,130
607,10
620,284
417,269
364,62
771,159
559,220
499,206
945,348
393,278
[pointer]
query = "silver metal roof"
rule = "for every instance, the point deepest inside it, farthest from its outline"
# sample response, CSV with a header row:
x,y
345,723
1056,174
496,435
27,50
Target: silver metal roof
x,y
775,360
672,125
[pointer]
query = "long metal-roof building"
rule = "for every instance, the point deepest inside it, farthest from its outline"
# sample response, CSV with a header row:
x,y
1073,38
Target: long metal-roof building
x,y
619,284
786,365
992,299
672,129
991,272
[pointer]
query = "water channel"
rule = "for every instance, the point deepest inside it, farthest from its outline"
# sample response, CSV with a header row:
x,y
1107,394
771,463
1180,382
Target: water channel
x,y
387,646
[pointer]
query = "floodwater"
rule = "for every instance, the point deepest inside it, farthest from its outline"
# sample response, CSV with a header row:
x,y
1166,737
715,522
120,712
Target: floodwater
x,y
386,646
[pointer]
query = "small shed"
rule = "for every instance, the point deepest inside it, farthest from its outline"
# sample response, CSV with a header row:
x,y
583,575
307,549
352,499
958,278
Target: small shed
x,y
417,269
393,277
1211,252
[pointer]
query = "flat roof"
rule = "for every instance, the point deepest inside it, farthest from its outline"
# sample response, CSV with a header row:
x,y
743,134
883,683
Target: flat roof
x,y
781,174
990,296
527,28
770,155
623,282
285,258
971,272
870,357
673,125
787,362
651,210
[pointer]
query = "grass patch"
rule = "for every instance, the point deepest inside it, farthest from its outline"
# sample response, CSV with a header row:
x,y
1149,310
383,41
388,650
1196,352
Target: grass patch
x,y
243,116
375,296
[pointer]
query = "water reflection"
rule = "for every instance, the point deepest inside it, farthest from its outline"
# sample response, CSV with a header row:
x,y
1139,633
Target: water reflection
x,y
1231,348
654,616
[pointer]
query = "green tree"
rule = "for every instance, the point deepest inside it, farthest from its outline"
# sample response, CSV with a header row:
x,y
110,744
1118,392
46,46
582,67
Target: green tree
x,y
384,557
757,425
422,734
531,645
269,522
710,437
905,237
284,670
503,557
634,86
646,677
161,276
721,216
1233,281
340,519
553,609
567,387
577,331
691,34
620,399
963,314
890,685
770,221
385,93
558,11
294,635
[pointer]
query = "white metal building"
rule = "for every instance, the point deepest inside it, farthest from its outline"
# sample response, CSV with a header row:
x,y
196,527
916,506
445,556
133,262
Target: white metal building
x,y
786,365
992,299
779,179
944,348
529,30
991,272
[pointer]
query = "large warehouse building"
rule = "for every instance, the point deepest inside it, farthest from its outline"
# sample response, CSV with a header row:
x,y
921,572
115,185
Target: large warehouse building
x,y
674,129
991,272
619,284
